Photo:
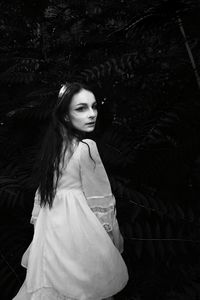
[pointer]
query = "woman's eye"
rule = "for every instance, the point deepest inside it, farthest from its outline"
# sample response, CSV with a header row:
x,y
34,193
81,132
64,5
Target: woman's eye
x,y
84,108
80,108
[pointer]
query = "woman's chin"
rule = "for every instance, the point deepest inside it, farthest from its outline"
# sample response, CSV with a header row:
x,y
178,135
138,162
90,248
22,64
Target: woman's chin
x,y
89,130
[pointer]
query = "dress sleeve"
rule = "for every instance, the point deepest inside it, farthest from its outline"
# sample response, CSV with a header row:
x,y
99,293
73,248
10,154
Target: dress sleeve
x,y
97,190
34,215
36,208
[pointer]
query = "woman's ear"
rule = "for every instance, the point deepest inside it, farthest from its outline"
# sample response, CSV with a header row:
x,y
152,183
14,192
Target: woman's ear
x,y
66,119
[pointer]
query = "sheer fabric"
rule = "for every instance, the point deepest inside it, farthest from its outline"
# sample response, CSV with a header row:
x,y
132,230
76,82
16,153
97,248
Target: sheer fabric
x,y
75,252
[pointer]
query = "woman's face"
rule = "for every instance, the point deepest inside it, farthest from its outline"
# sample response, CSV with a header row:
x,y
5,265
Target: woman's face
x,y
83,111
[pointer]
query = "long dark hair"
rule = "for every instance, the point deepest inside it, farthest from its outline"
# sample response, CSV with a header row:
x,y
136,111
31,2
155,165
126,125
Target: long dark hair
x,y
59,134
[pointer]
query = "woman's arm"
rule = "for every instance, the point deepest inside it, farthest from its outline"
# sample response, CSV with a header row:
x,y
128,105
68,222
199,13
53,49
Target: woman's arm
x,y
97,190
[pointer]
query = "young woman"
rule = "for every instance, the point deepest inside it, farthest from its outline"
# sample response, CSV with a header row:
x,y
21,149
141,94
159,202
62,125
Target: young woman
x,y
75,251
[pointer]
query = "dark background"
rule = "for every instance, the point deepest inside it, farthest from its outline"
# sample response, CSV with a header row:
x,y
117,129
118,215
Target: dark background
x,y
142,60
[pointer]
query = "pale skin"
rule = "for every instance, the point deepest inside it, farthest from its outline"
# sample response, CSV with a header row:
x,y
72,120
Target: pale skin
x,y
83,111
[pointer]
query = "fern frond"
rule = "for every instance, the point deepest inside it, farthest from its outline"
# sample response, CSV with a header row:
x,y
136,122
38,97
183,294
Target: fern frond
x,y
114,67
51,12
23,71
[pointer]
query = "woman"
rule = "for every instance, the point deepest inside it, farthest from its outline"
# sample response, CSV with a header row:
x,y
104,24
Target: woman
x,y
75,251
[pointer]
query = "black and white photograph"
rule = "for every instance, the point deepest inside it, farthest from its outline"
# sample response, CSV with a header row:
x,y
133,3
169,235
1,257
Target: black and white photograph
x,y
100,150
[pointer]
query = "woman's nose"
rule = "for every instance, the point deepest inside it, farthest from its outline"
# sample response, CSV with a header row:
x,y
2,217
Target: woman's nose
x,y
92,113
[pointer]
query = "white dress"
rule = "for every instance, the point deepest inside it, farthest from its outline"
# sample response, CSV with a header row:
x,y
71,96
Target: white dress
x,y
75,251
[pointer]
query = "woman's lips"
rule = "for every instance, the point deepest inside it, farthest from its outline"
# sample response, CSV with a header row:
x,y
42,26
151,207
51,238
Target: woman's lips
x,y
91,123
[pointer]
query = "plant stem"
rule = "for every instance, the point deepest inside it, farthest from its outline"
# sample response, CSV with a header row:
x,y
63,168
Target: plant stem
x,y
189,51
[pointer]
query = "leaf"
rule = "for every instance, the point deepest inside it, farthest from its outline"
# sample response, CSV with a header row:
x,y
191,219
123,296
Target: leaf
x,y
168,235
135,212
179,210
51,12
128,230
160,248
137,243
149,244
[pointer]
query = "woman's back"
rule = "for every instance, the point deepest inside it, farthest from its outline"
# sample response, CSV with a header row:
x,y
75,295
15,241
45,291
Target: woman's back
x,y
70,170
71,251
75,251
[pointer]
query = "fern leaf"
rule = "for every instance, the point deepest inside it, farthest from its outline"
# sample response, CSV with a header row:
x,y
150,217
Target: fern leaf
x,y
149,241
138,244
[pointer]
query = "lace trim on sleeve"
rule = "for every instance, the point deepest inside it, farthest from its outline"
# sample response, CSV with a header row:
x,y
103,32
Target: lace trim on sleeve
x,y
96,197
105,215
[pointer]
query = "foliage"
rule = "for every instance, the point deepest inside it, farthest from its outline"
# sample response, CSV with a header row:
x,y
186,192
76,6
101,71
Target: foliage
x,y
133,55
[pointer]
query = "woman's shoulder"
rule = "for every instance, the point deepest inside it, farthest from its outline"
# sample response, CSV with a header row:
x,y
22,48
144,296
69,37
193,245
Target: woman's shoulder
x,y
89,142
89,146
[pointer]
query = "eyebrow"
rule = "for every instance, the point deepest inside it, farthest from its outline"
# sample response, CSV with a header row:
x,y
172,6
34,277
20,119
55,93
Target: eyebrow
x,y
85,103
